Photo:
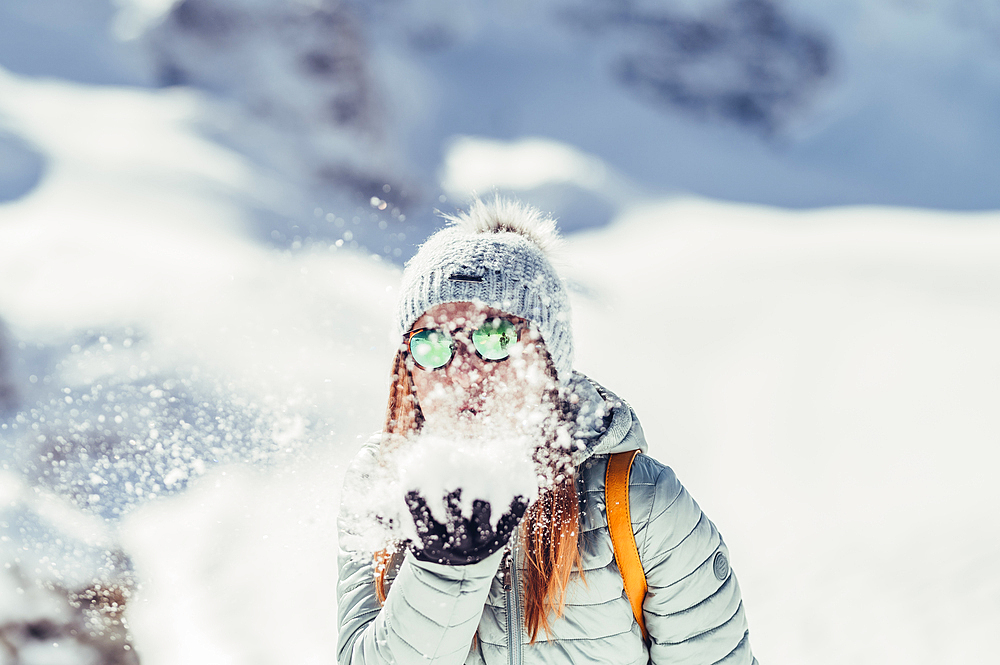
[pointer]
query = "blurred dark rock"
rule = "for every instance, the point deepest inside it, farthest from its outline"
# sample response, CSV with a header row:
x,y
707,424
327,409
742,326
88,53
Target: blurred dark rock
x,y
205,19
296,64
743,61
113,446
64,583
296,95
52,623
106,427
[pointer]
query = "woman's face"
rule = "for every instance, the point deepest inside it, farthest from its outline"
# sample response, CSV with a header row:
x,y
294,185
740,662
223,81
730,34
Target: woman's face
x,y
471,392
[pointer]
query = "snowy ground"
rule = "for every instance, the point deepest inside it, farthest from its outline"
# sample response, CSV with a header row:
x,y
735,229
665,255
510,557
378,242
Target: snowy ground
x,y
824,382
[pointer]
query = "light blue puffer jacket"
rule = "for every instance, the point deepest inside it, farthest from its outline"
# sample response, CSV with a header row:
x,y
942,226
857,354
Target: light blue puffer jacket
x,y
693,609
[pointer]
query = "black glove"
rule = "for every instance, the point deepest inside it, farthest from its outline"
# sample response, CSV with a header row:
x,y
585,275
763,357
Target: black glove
x,y
461,540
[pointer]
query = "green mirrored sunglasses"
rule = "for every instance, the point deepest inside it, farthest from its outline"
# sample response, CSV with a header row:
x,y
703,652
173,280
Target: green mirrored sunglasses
x,y
433,348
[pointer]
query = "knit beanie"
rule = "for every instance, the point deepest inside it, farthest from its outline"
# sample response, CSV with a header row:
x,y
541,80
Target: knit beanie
x,y
495,254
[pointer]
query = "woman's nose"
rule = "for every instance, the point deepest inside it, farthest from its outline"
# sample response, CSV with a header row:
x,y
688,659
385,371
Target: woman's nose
x,y
464,368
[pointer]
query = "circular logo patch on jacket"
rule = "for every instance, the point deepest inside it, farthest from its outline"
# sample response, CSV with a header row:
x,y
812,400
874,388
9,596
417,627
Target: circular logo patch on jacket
x,y
720,566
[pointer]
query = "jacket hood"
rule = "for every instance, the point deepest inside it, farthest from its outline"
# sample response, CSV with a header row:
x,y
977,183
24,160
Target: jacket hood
x,y
605,423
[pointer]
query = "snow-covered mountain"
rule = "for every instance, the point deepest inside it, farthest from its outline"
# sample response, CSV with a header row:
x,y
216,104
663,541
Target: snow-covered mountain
x,y
341,103
796,103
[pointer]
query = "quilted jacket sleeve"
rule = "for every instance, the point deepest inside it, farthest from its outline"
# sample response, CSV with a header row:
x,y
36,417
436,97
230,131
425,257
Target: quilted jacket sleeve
x,y
693,608
430,615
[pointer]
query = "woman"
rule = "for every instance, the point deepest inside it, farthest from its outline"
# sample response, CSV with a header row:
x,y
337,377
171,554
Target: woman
x,y
486,355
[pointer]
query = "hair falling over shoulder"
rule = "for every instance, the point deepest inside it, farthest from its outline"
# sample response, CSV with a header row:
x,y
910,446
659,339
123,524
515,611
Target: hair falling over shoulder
x,y
402,416
549,534
549,530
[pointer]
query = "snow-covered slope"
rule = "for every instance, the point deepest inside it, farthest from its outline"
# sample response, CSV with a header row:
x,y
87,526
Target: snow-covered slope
x,y
822,382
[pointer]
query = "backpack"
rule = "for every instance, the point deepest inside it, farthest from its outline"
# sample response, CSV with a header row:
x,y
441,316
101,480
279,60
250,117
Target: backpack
x,y
616,501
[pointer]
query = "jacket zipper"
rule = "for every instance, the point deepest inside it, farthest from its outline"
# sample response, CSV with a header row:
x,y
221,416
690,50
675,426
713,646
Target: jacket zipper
x,y
512,604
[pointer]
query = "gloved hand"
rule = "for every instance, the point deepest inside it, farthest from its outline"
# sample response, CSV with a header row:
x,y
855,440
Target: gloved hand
x,y
462,540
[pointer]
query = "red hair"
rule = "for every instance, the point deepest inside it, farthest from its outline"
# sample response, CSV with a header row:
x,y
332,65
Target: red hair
x,y
549,530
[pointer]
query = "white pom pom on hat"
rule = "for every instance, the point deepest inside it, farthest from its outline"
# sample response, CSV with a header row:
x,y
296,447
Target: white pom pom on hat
x,y
497,254
509,216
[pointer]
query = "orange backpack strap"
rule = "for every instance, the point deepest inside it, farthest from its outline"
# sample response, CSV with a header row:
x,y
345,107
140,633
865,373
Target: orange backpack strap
x,y
616,483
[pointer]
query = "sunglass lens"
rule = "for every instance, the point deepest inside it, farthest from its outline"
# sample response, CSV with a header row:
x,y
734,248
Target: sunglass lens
x,y
431,349
494,339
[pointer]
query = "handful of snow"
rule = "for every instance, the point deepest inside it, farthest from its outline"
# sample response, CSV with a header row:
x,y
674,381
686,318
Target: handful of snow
x,y
490,469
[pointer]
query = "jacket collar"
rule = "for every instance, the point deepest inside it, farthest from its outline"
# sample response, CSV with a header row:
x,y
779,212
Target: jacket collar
x,y
605,423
